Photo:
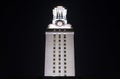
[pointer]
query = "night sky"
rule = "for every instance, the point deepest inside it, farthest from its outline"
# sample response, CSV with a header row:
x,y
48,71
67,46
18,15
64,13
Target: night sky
x,y
23,25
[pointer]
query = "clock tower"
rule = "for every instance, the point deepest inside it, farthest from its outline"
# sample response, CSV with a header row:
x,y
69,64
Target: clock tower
x,y
59,46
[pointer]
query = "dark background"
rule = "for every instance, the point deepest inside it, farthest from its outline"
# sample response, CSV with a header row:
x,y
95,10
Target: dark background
x,y
23,25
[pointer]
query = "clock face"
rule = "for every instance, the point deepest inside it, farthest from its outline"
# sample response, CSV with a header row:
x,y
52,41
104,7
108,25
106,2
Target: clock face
x,y
59,23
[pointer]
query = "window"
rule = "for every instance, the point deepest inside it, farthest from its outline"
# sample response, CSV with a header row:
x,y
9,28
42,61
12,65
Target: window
x,y
54,35
64,55
53,55
59,36
59,47
59,63
64,67
59,55
64,63
64,36
53,71
64,44
53,67
59,67
53,51
54,40
53,59
64,71
64,47
59,51
59,40
53,47
59,59
65,59
64,40
59,71
64,51
53,63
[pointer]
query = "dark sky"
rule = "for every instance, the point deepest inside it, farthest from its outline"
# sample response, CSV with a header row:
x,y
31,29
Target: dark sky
x,y
95,22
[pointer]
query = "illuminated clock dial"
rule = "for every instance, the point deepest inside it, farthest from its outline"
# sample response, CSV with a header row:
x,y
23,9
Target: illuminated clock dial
x,y
59,23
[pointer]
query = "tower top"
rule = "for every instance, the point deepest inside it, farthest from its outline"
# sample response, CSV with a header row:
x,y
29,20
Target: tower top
x,y
59,13
59,19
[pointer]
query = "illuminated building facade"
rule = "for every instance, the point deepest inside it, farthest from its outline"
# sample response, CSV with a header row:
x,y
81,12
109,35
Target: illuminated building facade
x,y
59,46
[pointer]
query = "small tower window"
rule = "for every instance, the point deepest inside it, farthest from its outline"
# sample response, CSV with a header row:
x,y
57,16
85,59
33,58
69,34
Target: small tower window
x,y
53,63
59,67
59,59
64,71
64,51
64,40
53,55
59,44
53,71
64,55
59,47
53,59
64,44
64,36
59,51
59,55
64,67
59,36
53,67
54,40
64,59
59,40
59,63
64,63
59,71
54,35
